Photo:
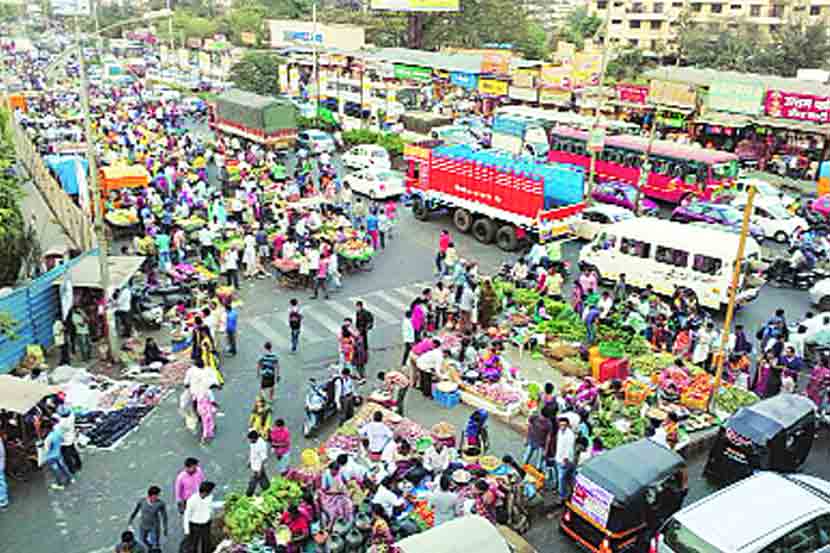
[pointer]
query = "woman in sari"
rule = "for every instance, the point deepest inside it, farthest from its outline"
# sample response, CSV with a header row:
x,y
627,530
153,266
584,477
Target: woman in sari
x,y
767,382
334,496
382,539
206,406
485,500
576,298
347,346
361,355
260,419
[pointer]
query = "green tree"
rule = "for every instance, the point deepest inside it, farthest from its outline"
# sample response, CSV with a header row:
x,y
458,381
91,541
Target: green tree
x,y
14,247
578,26
796,44
627,65
534,45
257,72
481,22
246,19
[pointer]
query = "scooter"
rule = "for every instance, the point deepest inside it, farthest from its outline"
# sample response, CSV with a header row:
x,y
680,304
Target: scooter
x,y
781,273
319,405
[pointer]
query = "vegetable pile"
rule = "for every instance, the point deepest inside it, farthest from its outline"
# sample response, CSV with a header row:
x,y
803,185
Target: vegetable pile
x,y
246,517
732,398
497,392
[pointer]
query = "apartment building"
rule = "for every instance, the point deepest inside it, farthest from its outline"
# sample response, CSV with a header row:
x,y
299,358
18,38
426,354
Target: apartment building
x,y
651,24
549,13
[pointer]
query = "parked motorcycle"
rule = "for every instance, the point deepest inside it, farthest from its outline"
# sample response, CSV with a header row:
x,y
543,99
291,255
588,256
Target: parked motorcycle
x,y
147,314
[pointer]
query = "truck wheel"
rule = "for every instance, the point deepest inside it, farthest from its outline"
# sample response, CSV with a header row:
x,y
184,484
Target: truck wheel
x,y
506,238
419,209
484,230
463,220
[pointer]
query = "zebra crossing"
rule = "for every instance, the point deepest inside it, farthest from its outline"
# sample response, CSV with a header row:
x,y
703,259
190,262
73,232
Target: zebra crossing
x,y
322,319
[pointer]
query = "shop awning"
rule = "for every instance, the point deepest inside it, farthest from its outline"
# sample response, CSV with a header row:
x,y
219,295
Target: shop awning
x,y
674,109
630,105
87,273
19,395
722,119
800,126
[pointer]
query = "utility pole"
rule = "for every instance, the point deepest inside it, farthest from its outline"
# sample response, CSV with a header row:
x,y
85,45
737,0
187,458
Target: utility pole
x,y
98,38
316,65
737,271
645,168
170,29
601,101
97,201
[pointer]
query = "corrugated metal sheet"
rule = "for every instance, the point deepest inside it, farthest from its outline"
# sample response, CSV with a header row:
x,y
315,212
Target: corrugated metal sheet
x,y
35,307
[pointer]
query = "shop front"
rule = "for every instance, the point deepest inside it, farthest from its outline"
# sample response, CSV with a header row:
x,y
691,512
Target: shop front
x,y
493,93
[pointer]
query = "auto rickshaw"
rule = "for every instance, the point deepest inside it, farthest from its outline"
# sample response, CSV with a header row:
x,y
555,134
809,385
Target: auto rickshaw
x,y
622,496
774,434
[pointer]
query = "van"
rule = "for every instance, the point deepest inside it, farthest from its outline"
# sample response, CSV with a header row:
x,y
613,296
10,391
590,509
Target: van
x,y
766,513
669,255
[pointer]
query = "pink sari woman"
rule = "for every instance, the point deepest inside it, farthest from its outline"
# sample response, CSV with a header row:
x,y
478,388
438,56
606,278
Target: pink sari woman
x,y
334,496
206,407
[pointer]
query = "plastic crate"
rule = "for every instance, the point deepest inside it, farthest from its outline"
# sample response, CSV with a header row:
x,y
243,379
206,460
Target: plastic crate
x,y
447,400
611,368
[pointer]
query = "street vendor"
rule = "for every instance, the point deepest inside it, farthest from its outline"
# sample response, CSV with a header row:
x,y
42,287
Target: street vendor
x,y
430,365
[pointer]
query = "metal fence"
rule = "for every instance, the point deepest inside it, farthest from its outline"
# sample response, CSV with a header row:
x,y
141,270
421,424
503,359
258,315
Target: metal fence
x,y
71,218
34,307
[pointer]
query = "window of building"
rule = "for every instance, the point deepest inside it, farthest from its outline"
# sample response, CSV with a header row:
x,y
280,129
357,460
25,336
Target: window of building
x,y
717,8
776,11
658,7
677,4
602,4
773,28
755,11
635,24
633,42
696,7
655,45
735,7
637,7
616,22
815,10
656,25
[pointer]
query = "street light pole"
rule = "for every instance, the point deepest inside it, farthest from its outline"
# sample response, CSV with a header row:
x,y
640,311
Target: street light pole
x,y
103,254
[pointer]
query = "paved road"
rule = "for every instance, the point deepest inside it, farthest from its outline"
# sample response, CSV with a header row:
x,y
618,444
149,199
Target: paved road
x,y
90,514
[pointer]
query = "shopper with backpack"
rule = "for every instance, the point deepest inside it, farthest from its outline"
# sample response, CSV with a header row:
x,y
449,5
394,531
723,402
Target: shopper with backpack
x,y
295,323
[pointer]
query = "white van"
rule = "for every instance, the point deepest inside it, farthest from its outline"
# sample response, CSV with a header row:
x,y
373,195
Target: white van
x,y
765,513
668,255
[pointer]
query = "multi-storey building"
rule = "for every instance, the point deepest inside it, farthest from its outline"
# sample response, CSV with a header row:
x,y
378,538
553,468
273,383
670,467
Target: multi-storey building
x,y
551,12
652,24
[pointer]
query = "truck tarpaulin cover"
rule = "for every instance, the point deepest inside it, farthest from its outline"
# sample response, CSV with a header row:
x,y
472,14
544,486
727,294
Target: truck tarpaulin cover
x,y
253,111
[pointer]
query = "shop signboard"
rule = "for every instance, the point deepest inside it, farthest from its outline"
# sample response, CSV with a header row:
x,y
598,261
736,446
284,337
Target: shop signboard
x,y
247,38
632,93
666,93
587,67
592,500
416,5
523,94
412,72
492,87
495,62
797,107
467,81
557,76
565,51
71,8
554,96
744,96
524,78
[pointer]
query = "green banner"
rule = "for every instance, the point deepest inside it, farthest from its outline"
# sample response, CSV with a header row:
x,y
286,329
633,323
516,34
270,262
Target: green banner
x,y
736,96
413,72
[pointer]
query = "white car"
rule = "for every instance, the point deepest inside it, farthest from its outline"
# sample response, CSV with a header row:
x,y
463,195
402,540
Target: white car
x,y
377,184
597,217
367,156
765,190
773,218
316,142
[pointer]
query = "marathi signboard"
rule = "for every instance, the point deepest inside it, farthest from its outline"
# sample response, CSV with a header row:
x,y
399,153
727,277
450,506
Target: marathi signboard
x,y
632,93
798,107
554,96
587,67
525,78
557,76
666,93
736,96
497,63
492,87
71,8
416,5
524,94
592,500
412,72
468,81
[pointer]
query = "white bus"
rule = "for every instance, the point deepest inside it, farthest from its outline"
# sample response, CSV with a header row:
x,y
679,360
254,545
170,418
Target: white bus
x,y
670,255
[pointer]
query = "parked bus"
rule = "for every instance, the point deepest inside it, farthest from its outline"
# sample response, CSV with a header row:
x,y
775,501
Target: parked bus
x,y
678,171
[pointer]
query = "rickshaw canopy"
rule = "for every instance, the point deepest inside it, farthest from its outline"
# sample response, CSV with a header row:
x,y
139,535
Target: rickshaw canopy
x,y
628,470
764,420
20,395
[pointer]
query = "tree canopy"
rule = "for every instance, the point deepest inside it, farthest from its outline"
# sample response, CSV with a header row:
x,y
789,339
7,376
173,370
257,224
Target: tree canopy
x,y
257,72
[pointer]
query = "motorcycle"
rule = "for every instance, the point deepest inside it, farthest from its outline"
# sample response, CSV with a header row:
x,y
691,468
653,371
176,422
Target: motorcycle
x,y
319,405
147,314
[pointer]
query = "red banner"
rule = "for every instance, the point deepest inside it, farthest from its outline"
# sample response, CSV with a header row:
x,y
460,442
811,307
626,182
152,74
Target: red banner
x,y
632,93
799,107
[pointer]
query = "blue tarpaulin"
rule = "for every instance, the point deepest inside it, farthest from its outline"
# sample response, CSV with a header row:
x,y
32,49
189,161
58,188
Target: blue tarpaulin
x,y
66,168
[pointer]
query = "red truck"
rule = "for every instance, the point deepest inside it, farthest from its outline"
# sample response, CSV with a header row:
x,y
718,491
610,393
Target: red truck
x,y
494,195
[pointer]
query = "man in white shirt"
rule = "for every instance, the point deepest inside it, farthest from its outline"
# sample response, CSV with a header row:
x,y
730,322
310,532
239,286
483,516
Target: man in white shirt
x,y
123,308
433,360
199,380
386,498
344,395
376,435
258,456
198,513
206,240
70,434
437,458
564,456
231,263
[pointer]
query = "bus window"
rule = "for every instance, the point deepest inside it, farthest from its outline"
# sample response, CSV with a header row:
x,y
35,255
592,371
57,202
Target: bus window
x,y
679,169
702,173
556,145
637,248
671,256
706,264
632,160
728,170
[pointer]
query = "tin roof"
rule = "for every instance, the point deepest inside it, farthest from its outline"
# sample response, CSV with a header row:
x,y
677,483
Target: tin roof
x,y
705,77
